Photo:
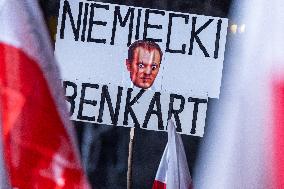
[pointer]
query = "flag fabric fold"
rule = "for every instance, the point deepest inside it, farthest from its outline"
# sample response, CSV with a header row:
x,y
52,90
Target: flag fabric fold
x,y
173,172
243,143
37,143
4,183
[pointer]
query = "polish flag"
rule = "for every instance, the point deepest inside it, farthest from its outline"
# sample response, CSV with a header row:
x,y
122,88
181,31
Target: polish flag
x,y
244,142
173,172
37,146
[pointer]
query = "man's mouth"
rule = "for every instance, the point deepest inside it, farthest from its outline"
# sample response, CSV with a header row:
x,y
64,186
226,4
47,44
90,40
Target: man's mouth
x,y
146,78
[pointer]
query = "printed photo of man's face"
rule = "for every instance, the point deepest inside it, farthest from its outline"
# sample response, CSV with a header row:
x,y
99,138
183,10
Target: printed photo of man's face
x,y
143,63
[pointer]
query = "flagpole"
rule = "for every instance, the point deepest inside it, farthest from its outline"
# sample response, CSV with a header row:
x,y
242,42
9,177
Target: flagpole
x,y
130,158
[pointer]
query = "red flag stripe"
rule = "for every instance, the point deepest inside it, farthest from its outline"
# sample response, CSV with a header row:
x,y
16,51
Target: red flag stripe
x,y
38,151
158,185
278,113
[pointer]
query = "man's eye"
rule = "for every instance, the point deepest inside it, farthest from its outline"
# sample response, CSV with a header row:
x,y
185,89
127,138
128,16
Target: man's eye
x,y
154,67
140,65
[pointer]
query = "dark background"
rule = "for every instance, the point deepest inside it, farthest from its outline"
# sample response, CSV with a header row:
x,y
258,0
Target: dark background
x,y
104,149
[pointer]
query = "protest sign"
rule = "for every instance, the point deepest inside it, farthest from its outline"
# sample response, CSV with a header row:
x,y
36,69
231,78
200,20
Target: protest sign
x,y
113,75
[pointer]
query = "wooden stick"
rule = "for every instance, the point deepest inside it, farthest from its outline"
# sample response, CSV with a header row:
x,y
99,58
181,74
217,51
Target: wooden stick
x,y
130,158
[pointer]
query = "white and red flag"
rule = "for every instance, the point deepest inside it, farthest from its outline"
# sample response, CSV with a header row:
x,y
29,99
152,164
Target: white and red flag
x,y
37,146
244,141
173,172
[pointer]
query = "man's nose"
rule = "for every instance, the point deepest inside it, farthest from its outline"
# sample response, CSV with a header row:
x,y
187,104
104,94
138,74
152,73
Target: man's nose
x,y
148,70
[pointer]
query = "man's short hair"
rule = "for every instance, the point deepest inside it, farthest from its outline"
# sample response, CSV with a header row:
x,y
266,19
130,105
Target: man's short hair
x,y
149,45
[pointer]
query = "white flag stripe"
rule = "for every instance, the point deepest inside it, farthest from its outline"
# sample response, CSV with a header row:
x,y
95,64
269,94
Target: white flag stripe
x,y
178,172
238,147
162,170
